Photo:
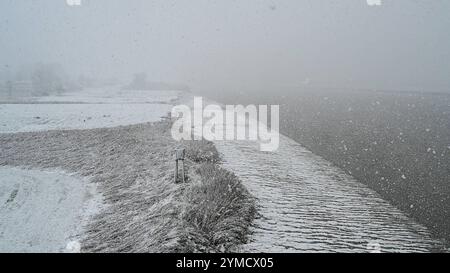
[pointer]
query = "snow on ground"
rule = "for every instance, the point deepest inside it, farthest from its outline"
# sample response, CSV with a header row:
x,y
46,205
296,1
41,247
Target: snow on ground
x,y
306,204
42,117
309,205
43,211
112,95
87,109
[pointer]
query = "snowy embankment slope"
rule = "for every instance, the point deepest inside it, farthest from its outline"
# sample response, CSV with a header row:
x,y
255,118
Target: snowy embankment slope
x,y
42,211
309,205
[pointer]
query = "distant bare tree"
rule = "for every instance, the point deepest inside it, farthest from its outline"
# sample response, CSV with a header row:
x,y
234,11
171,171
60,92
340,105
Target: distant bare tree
x,y
9,88
139,81
47,79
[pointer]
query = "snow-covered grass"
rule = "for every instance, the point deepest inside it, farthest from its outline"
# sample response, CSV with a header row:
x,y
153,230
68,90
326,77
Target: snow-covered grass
x,y
220,210
133,167
130,168
43,211
202,151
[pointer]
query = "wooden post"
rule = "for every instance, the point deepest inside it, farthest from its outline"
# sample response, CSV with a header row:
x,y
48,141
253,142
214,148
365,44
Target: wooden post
x,y
176,171
182,171
179,156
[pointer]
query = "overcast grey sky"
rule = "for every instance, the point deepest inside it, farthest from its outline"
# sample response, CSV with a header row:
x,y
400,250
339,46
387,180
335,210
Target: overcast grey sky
x,y
402,44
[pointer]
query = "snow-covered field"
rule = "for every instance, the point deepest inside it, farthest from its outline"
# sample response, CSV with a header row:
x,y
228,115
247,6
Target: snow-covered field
x,y
43,117
111,95
45,211
89,109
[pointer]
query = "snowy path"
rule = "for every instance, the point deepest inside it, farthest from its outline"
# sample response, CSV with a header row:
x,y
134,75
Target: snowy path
x,y
307,204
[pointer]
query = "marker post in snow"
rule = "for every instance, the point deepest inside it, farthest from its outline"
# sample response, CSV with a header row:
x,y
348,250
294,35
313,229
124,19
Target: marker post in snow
x,y
179,157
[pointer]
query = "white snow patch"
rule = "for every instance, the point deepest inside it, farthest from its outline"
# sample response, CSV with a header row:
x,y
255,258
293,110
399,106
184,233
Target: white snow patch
x,y
41,117
87,109
73,247
43,211
113,95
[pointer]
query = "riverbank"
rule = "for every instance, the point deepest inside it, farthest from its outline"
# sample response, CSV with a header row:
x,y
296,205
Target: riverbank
x,y
396,143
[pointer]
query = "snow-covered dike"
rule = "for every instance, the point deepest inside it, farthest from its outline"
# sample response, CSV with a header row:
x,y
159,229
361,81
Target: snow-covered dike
x,y
309,205
43,211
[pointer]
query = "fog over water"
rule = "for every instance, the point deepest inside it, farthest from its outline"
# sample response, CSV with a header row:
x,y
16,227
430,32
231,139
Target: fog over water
x,y
236,45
